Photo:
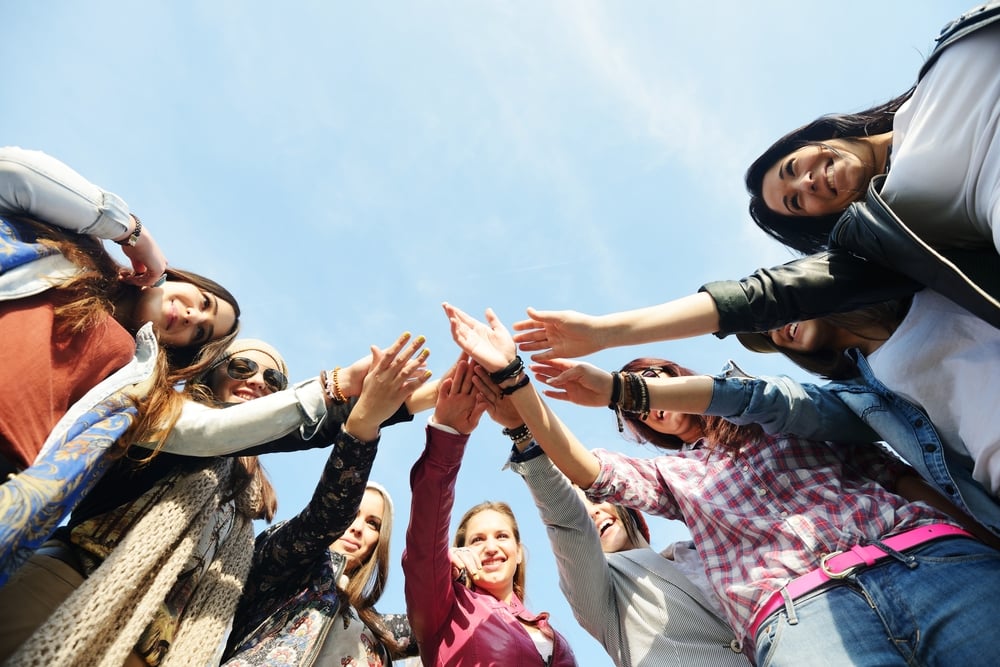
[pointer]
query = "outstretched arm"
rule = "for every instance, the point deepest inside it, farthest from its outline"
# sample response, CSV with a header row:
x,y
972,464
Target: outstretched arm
x,y
566,333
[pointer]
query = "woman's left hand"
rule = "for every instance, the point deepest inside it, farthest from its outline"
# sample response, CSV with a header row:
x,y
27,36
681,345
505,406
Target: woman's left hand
x,y
501,411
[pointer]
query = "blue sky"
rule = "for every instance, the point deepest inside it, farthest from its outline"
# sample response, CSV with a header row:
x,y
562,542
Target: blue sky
x,y
346,167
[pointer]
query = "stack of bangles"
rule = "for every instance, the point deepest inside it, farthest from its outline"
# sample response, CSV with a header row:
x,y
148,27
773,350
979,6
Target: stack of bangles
x,y
331,386
629,393
512,371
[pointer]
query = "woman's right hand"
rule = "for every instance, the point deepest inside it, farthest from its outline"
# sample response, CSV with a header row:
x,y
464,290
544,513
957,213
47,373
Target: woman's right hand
x,y
490,345
148,261
395,373
555,334
576,381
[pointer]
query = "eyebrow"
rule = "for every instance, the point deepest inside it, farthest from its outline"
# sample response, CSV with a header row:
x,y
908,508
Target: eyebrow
x,y
215,312
781,177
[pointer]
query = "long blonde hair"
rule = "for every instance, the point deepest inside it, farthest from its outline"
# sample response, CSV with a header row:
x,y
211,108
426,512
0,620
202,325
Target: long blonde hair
x,y
366,585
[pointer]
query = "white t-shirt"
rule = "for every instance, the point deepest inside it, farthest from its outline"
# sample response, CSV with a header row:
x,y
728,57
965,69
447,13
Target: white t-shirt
x,y
945,175
947,360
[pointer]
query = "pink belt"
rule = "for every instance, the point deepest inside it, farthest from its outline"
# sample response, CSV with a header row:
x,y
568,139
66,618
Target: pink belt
x,y
840,564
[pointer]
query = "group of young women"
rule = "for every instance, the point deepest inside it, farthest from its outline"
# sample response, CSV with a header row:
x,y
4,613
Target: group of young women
x,y
129,447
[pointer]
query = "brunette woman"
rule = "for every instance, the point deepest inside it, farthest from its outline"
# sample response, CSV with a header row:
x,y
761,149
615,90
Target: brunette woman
x,y
76,342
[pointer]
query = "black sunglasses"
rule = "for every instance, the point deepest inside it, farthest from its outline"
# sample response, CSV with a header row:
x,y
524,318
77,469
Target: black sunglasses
x,y
241,368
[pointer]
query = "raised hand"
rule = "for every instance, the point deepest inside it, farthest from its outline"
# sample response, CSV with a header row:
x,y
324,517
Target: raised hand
x,y
395,373
501,411
556,334
490,345
458,403
574,381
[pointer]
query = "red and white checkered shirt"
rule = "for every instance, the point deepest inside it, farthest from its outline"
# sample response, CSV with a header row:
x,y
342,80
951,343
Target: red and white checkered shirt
x,y
768,515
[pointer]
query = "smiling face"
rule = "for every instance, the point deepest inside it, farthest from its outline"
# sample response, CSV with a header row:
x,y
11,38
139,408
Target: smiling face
x,y
360,539
491,536
184,315
614,537
807,336
230,390
818,179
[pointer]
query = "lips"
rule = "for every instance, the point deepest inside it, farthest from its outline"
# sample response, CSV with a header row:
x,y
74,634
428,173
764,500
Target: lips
x,y
830,181
607,523
171,315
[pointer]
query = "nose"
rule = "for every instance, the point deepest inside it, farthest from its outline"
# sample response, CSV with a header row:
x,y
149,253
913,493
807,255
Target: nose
x,y
196,316
356,525
806,182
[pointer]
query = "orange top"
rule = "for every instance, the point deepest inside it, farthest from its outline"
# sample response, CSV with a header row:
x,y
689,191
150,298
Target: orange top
x,y
42,373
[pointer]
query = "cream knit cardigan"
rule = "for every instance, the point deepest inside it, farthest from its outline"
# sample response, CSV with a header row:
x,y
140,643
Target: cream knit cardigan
x,y
100,623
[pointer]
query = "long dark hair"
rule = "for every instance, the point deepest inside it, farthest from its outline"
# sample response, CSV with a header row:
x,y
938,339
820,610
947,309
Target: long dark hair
x,y
719,433
811,235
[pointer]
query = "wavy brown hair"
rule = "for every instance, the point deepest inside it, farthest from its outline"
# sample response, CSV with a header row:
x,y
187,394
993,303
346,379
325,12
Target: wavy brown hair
x,y
720,434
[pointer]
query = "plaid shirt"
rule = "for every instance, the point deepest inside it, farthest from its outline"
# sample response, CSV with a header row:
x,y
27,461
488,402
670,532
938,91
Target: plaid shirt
x,y
768,515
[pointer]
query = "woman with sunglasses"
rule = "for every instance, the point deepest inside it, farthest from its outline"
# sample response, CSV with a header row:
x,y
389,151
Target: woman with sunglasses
x,y
134,510
315,576
84,337
641,607
805,542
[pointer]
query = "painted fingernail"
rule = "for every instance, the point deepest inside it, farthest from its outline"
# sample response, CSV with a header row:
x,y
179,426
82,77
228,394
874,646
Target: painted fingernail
x,y
427,374
420,340
425,353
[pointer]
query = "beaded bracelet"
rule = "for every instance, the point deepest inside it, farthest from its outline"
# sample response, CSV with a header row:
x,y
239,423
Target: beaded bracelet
x,y
331,388
515,367
338,395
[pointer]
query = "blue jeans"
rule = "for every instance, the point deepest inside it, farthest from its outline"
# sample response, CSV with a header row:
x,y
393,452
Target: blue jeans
x,y
945,611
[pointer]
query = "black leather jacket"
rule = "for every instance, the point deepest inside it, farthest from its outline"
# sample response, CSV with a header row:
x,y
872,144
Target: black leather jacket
x,y
867,240
873,257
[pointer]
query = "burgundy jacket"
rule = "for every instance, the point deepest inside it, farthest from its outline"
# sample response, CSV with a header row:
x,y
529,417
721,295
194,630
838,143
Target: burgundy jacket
x,y
455,625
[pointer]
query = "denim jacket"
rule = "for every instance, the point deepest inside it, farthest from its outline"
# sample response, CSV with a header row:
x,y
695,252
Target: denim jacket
x,y
859,410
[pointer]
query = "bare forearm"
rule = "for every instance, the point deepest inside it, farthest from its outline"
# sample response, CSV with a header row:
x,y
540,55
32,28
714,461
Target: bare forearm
x,y
689,316
562,447
690,394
